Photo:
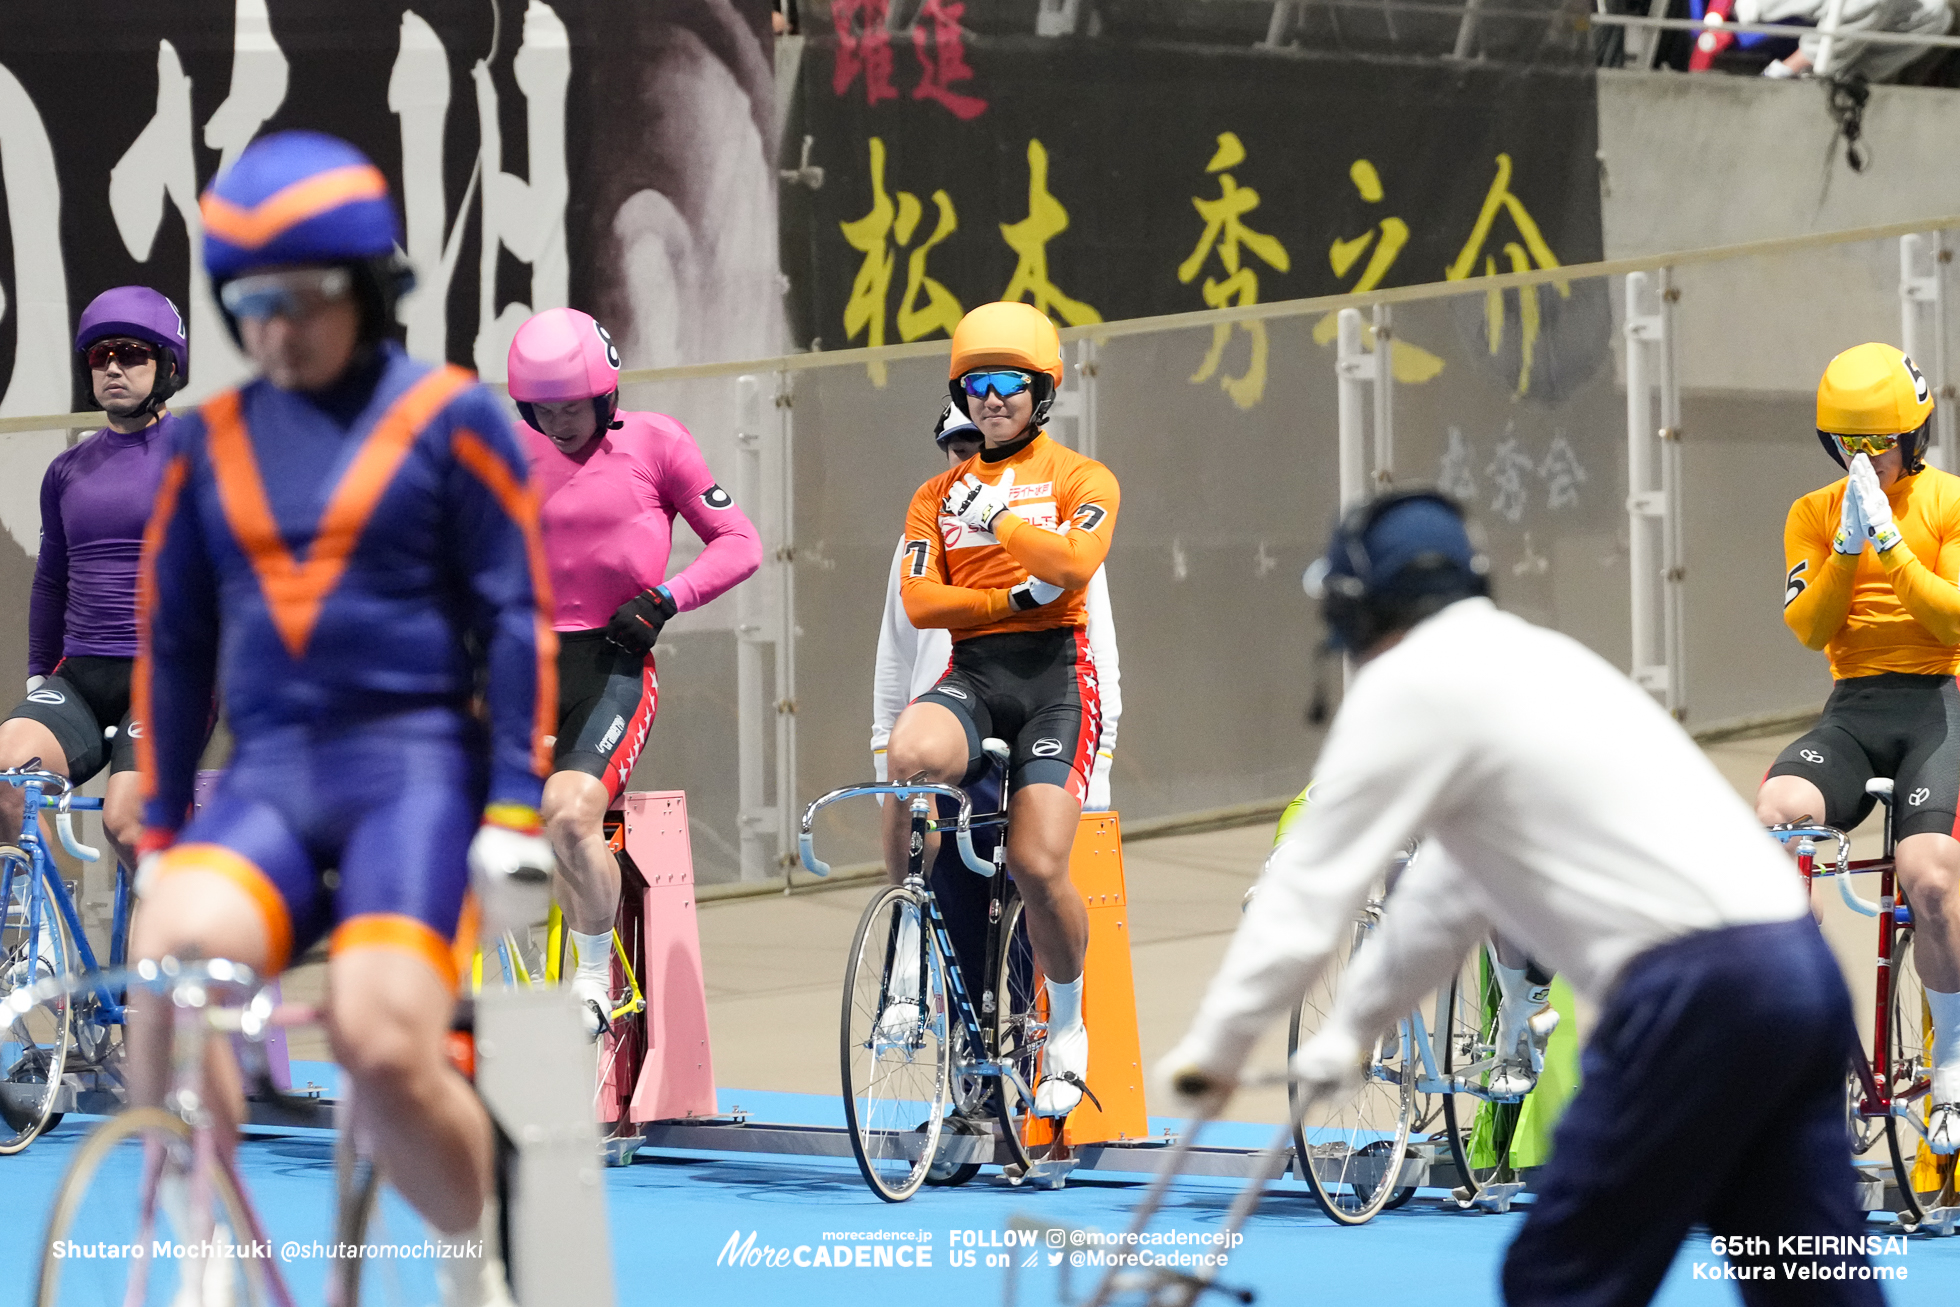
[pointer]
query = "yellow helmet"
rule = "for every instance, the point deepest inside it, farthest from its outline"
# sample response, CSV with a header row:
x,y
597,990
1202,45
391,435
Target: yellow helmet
x,y
1008,334
1875,390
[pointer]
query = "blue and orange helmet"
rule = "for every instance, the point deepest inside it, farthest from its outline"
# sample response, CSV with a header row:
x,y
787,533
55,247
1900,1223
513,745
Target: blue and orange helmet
x,y
298,198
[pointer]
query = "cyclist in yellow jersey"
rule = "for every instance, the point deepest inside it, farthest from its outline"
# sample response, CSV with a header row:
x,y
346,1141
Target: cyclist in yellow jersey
x,y
1873,563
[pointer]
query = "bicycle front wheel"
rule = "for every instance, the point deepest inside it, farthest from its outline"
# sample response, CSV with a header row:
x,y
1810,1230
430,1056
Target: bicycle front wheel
x,y
1020,1026
1351,1151
1911,1066
130,1226
894,1044
34,1045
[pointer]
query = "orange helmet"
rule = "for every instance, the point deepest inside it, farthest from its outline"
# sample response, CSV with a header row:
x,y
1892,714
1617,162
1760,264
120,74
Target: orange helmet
x,y
1874,390
1008,334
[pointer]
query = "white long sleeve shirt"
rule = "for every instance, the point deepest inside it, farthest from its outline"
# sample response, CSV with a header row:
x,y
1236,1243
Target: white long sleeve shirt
x,y
910,661
1556,802
1878,62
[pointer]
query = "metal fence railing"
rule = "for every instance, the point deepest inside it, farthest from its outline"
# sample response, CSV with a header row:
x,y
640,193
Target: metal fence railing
x,y
1629,435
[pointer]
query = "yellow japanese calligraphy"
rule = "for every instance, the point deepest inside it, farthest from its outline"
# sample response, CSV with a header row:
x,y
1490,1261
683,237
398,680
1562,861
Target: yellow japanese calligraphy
x,y
1225,232
1029,239
1409,363
942,310
1520,258
878,235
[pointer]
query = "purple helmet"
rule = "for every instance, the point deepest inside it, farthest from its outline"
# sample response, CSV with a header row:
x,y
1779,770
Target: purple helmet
x,y
142,314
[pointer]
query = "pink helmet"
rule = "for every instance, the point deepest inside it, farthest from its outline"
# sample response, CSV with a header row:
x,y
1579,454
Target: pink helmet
x,y
563,354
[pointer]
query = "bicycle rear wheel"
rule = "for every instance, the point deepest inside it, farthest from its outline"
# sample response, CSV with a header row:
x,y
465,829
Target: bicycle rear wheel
x,y
894,1046
126,1227
1351,1151
34,1045
1468,1025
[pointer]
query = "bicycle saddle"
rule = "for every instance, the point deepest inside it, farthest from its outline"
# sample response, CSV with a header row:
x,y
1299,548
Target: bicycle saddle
x,y
1880,788
996,751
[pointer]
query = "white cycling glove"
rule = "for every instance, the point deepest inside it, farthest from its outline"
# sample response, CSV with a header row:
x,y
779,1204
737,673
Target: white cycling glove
x,y
1873,508
1850,537
1328,1066
1192,1080
510,869
976,503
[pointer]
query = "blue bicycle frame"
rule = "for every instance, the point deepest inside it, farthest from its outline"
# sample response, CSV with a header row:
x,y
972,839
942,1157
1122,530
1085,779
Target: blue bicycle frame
x,y
44,887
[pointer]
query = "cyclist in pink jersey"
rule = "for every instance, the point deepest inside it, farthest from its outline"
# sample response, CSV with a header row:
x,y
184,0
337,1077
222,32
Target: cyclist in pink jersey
x,y
610,484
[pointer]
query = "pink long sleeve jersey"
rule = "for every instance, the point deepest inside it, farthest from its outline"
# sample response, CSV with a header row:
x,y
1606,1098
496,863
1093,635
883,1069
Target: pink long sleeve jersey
x,y
608,520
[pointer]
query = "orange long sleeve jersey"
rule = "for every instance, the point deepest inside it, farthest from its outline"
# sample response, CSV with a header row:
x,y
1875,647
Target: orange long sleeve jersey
x,y
1062,511
1892,612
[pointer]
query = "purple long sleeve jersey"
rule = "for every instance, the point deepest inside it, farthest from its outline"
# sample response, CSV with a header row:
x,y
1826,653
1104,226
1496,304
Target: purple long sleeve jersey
x,y
95,502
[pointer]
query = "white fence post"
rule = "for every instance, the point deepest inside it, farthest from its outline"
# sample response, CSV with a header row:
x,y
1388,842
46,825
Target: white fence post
x,y
765,631
1354,373
1384,400
1654,536
1922,331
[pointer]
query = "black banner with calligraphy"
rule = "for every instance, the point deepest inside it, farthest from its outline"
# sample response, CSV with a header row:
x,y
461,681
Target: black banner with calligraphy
x,y
616,157
1103,180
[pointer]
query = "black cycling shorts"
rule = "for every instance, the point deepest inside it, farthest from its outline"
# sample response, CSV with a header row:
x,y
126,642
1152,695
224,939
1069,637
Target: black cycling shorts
x,y
84,696
607,698
1893,724
1037,691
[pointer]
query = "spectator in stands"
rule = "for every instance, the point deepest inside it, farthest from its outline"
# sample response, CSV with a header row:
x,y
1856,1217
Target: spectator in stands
x,y
1878,63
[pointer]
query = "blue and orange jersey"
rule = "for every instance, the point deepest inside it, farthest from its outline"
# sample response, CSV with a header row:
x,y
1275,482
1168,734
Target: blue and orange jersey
x,y
335,559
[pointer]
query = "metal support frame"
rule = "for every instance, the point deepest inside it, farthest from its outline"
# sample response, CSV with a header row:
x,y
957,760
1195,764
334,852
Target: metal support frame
x,y
1654,484
1827,47
1074,409
1923,261
765,632
1365,386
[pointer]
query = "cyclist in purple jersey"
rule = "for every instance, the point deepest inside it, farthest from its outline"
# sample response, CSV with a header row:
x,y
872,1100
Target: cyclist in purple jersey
x,y
610,484
81,620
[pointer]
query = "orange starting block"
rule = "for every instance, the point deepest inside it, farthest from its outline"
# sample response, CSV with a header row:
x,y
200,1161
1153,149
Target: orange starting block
x,y
1109,996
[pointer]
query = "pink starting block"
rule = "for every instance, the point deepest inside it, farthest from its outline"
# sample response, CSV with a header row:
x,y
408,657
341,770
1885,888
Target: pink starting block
x,y
676,1074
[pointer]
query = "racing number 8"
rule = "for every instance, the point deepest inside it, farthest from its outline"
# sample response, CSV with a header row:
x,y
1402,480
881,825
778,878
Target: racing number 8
x,y
916,553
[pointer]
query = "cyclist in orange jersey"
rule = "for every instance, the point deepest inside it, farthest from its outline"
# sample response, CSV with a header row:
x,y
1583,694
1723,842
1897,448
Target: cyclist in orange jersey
x,y
1000,551
1873,562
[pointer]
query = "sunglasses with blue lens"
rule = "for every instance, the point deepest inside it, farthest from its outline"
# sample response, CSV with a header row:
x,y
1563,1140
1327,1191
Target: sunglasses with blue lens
x,y
1003,383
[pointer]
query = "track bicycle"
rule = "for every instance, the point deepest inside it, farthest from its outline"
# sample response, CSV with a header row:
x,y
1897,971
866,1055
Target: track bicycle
x,y
911,1040
51,1054
157,1190
1892,1083
532,959
1354,1152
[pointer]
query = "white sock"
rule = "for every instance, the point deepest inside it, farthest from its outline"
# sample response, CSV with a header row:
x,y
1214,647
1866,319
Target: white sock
x,y
1946,1045
594,957
1064,1005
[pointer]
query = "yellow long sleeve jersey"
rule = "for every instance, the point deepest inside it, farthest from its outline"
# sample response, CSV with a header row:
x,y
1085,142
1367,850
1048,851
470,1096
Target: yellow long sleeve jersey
x,y
1893,612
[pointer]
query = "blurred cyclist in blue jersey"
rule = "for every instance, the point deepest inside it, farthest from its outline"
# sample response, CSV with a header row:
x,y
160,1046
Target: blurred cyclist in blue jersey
x,y
348,547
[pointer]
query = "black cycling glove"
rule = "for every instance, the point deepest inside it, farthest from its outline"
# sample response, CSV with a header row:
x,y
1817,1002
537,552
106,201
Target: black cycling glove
x,y
636,625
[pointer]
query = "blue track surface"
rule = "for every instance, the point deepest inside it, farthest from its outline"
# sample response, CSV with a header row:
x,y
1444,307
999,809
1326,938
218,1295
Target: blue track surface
x,y
672,1216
